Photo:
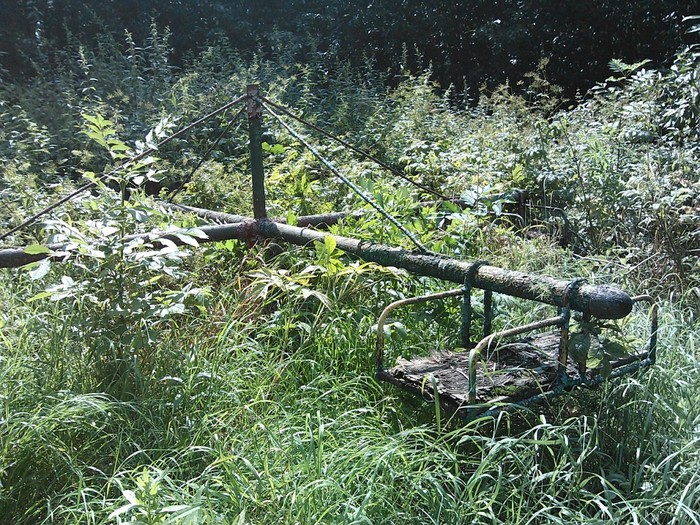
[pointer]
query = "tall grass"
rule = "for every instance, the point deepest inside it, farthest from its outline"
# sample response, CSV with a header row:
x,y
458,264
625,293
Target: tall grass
x,y
265,420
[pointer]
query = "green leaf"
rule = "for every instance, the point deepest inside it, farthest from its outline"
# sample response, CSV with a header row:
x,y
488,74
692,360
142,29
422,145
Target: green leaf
x,y
187,239
517,173
325,301
151,141
614,349
139,215
277,149
36,249
117,145
330,243
40,295
41,269
107,231
196,232
177,308
98,120
177,508
400,329
122,510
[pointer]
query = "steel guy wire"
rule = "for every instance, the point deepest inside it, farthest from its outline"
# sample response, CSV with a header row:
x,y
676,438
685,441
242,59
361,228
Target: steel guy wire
x,y
357,150
204,157
347,181
122,166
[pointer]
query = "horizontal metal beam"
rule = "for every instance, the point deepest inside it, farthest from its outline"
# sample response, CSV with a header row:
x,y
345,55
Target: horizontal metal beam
x,y
16,257
603,302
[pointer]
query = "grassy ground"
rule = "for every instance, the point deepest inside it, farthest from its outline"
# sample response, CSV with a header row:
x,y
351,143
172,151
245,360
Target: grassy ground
x,y
275,417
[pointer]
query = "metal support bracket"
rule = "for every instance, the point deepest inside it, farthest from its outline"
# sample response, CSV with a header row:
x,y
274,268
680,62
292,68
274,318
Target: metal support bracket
x,y
379,356
467,305
564,339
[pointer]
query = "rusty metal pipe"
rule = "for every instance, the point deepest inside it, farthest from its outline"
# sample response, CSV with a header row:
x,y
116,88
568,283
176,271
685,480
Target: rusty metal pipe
x,y
16,257
321,219
604,302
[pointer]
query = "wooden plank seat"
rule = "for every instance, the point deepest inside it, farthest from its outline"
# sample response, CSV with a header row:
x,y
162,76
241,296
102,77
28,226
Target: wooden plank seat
x,y
512,372
499,373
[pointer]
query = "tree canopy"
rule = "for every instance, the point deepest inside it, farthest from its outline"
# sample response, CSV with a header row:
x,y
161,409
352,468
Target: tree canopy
x,y
466,43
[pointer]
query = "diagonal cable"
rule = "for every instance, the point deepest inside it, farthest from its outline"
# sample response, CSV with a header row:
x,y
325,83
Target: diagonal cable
x,y
122,166
204,157
357,150
348,182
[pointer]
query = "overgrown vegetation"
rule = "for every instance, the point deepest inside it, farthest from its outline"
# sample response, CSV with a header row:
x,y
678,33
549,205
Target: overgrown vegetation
x,y
224,383
468,43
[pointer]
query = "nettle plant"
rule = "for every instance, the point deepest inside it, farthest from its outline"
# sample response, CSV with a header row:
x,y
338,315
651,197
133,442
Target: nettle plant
x,y
123,288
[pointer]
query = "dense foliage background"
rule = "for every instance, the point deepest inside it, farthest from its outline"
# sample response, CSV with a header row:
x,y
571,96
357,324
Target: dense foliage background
x,y
466,43
150,383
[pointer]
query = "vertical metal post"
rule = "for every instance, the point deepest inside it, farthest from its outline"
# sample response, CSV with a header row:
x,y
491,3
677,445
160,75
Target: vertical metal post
x,y
488,316
256,156
654,332
564,343
467,305
466,313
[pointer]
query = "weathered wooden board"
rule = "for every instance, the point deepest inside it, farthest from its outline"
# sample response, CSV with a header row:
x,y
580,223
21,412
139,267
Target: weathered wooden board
x,y
510,373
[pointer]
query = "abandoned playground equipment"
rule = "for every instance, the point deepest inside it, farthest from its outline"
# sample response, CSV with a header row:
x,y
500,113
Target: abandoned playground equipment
x,y
489,375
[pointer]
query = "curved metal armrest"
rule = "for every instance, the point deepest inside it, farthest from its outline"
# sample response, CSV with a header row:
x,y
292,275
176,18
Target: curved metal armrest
x,y
654,320
405,302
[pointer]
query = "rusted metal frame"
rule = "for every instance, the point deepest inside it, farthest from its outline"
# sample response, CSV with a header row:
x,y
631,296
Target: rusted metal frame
x,y
486,342
619,370
467,304
404,302
17,257
473,410
619,367
256,155
601,301
650,353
